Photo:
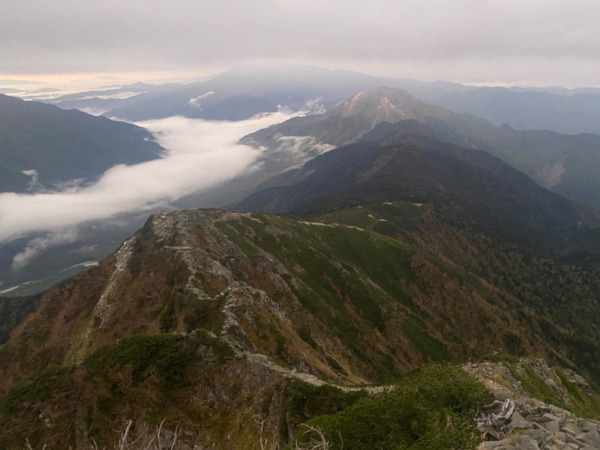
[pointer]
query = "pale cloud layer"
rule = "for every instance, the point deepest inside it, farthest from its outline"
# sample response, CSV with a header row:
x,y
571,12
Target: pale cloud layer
x,y
539,41
199,155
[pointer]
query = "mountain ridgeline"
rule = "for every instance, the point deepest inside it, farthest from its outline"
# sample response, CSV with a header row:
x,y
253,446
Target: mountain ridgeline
x,y
242,92
566,164
467,187
570,112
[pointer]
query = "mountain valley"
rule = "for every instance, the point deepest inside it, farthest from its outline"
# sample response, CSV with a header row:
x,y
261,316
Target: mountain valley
x,y
395,268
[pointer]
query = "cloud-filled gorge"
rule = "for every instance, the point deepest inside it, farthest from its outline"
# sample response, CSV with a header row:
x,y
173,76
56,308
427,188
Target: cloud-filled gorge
x,y
200,154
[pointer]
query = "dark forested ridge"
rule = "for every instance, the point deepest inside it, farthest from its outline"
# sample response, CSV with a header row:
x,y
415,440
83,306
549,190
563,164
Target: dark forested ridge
x,y
465,184
63,145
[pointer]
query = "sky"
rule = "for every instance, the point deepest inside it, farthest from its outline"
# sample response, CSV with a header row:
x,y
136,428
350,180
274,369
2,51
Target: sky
x,y
533,42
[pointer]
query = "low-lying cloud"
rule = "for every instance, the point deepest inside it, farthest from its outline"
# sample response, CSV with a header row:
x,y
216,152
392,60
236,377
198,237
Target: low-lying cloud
x,y
38,245
196,101
200,154
300,145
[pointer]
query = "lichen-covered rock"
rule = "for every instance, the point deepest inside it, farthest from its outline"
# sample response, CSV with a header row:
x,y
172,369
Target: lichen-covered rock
x,y
534,424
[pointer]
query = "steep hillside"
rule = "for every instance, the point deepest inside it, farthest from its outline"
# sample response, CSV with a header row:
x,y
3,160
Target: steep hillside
x,y
468,187
63,145
244,330
324,278
252,300
12,312
560,292
567,164
481,215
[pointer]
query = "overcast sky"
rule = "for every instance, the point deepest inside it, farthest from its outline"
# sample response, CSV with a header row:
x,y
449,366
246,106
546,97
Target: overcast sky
x,y
511,41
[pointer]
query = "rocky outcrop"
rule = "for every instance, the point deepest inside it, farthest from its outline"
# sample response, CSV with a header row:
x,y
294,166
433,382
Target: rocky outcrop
x,y
532,424
538,425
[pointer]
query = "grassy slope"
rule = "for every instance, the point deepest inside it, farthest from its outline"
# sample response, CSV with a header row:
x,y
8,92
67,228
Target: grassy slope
x,y
355,303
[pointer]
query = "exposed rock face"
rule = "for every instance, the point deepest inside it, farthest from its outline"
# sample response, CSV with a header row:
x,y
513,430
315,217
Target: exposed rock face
x,y
535,424
548,176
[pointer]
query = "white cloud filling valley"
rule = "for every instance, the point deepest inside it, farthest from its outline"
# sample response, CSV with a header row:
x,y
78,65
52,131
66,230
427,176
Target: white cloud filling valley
x,y
199,154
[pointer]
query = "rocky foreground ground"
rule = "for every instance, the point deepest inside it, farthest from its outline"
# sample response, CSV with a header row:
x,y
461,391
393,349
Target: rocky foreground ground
x,y
533,424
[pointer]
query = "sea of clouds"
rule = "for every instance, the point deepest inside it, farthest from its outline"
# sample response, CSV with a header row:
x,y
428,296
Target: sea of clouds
x,y
199,154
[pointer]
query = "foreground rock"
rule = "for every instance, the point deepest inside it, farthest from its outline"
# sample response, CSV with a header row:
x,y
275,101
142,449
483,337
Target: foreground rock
x,y
534,424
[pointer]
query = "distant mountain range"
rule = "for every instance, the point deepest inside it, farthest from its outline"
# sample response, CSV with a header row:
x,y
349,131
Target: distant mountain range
x,y
567,164
577,112
407,240
240,93
100,101
42,146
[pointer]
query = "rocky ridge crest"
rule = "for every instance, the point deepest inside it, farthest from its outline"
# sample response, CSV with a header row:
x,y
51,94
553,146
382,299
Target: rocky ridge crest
x,y
255,302
535,424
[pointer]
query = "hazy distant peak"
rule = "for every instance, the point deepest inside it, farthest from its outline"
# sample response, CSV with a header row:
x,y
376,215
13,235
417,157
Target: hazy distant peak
x,y
350,120
383,103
